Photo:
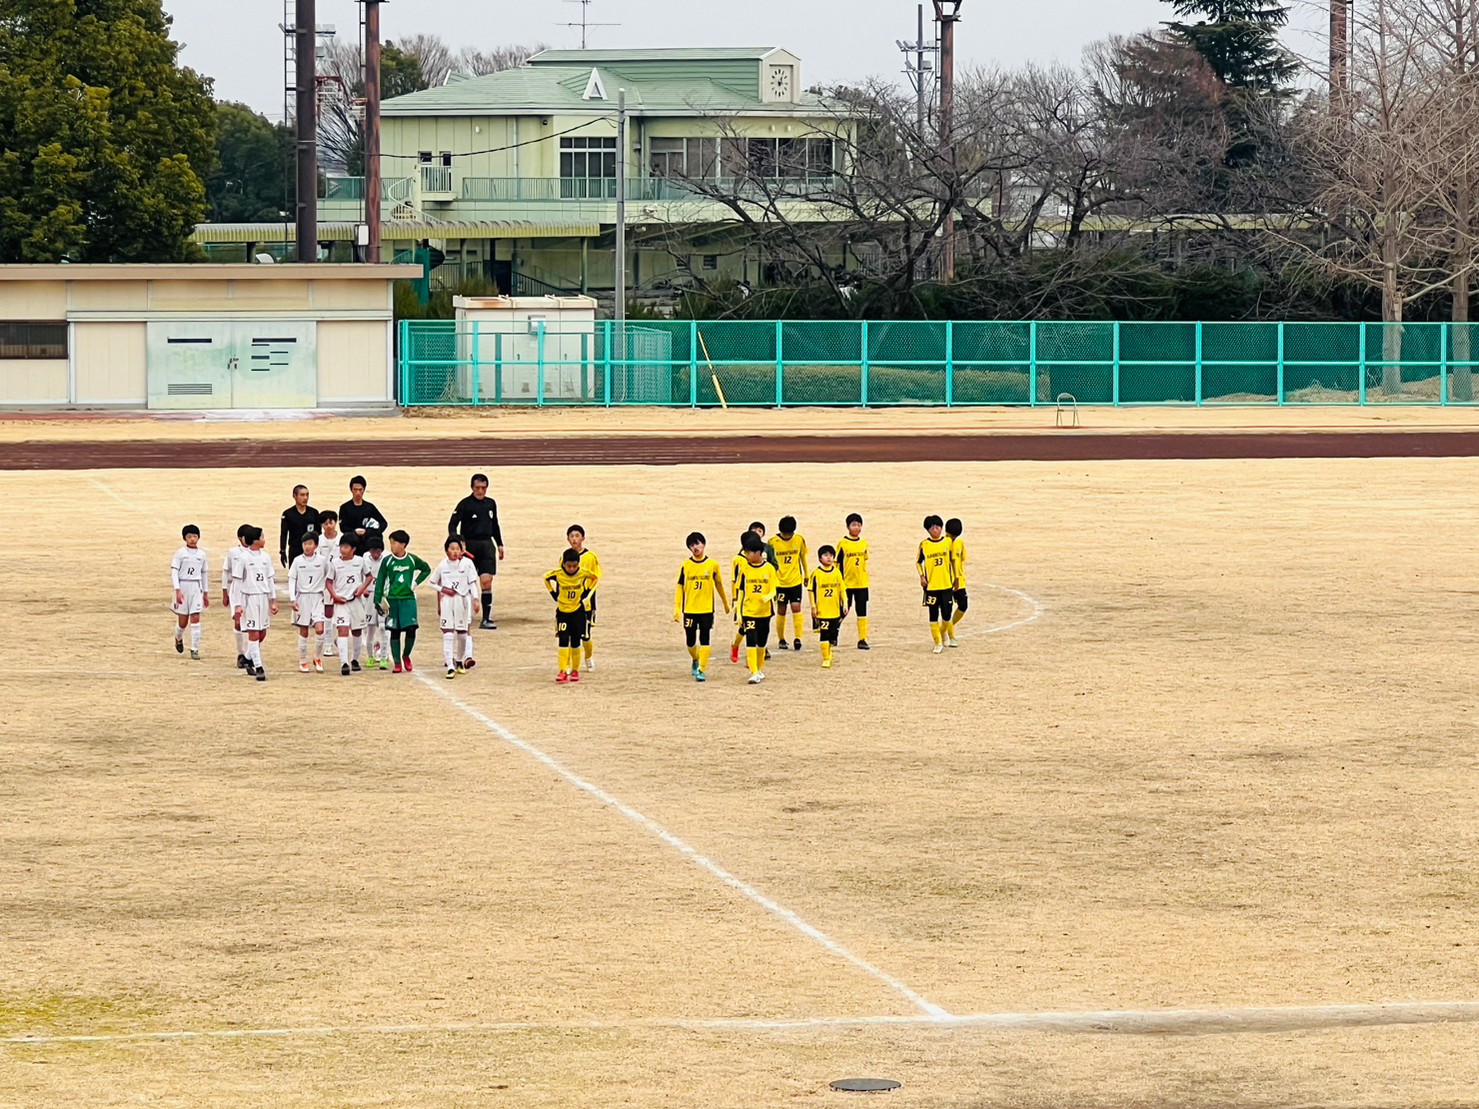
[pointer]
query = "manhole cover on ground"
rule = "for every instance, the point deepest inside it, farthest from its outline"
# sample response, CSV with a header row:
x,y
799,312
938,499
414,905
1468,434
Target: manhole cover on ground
x,y
865,1085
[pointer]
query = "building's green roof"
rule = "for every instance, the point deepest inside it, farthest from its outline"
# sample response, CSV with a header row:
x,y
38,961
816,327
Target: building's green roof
x,y
684,54
552,89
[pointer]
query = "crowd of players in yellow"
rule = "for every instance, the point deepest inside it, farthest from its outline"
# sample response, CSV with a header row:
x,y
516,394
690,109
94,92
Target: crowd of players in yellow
x,y
768,580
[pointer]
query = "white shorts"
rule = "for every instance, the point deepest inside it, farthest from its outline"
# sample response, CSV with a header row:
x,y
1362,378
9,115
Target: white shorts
x,y
350,614
454,613
256,612
310,610
194,600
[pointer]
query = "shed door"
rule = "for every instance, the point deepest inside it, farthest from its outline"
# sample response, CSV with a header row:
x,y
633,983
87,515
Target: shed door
x,y
233,364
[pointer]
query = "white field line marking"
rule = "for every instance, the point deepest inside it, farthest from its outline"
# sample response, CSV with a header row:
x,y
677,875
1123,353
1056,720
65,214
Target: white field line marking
x,y
130,505
779,911
1289,1018
1036,610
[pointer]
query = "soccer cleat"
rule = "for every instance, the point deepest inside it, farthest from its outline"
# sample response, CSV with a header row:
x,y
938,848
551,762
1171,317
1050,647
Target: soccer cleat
x,y
863,645
344,670
261,674
179,646
939,648
469,663
461,669
242,663
700,676
694,668
575,675
251,671
783,645
562,677
303,668
951,642
826,664
354,665
734,654
318,666
757,677
409,667
487,625
396,669
796,646
195,655
590,666
451,673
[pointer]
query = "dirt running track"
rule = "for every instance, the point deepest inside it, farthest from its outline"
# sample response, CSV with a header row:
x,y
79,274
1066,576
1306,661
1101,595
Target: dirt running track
x,y
655,451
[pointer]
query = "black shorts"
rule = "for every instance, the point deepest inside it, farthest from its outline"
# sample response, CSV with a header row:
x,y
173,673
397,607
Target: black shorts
x,y
696,628
484,555
941,603
790,594
828,627
962,602
756,630
857,600
571,627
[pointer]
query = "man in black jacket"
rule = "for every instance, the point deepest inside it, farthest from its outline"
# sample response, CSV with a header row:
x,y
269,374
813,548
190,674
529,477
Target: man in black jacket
x,y
475,522
298,519
357,516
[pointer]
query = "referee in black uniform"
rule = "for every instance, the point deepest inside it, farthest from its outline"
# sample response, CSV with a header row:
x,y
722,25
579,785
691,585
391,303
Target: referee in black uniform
x,y
299,519
475,522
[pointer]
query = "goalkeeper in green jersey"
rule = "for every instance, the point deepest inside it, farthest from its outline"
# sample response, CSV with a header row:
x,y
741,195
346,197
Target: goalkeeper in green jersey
x,y
395,597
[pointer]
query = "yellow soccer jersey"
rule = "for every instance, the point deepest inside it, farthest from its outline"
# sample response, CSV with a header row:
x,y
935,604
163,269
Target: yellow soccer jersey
x,y
569,591
935,563
790,557
828,592
697,583
957,557
757,586
591,565
852,556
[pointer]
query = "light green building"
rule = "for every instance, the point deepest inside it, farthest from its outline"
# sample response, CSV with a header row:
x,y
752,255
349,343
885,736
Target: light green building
x,y
512,176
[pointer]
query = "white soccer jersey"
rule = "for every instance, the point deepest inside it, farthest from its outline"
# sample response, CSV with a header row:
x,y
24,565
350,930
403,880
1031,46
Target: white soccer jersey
x,y
233,571
372,572
188,569
346,576
259,577
307,575
455,612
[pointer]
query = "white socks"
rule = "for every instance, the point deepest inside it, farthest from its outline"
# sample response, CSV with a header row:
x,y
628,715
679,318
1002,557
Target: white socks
x,y
356,645
254,652
195,637
344,650
179,634
241,643
303,648
467,651
449,648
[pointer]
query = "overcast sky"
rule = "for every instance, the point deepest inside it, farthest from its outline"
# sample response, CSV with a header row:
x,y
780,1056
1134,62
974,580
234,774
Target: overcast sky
x,y
238,43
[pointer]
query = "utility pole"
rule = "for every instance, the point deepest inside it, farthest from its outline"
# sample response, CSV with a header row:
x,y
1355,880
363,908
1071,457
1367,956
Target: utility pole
x,y
372,131
921,71
306,122
947,12
1340,52
621,205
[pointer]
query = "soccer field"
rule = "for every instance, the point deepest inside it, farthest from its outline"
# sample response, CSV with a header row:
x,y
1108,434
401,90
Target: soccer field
x,y
1207,744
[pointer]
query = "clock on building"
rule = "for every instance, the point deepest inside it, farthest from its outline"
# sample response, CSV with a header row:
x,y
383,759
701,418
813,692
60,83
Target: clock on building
x,y
780,82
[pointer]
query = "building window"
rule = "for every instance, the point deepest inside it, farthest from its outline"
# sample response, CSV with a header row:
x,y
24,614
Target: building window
x,y
789,159
32,339
678,158
711,261
587,168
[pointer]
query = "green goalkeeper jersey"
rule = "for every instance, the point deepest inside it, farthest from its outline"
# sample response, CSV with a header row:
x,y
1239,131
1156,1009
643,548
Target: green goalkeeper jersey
x,y
399,576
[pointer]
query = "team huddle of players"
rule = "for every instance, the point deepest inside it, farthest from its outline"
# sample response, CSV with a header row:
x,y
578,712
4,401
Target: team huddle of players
x,y
345,588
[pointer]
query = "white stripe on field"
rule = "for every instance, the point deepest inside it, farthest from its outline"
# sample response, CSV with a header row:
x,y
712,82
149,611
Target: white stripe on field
x,y
1036,609
1263,1019
779,911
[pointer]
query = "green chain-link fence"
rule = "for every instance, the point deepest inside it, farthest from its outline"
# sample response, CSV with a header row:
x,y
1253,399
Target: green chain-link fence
x,y
796,363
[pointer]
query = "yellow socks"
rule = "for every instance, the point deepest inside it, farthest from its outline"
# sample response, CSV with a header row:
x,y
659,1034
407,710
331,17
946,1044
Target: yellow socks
x,y
938,631
800,625
693,653
955,620
755,656
565,653
826,653
703,658
590,649
739,637
862,627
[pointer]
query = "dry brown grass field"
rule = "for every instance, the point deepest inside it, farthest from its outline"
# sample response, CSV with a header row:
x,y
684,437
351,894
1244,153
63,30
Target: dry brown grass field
x,y
1208,743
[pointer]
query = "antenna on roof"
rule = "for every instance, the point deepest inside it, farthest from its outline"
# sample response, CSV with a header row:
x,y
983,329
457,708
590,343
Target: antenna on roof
x,y
585,23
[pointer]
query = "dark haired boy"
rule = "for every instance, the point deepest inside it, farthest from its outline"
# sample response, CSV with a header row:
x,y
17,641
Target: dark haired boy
x,y
395,596
955,529
790,553
233,570
475,522
357,516
188,574
755,593
936,578
575,536
852,556
571,587
828,601
258,601
699,581
299,520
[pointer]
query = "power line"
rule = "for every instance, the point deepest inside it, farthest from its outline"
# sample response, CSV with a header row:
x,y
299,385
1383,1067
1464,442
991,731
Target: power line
x,y
501,149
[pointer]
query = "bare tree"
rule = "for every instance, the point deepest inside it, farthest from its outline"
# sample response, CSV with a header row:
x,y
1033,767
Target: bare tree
x,y
432,54
478,63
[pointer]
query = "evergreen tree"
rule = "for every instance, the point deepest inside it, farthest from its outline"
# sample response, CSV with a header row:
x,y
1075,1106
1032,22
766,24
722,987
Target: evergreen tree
x,y
253,177
1239,39
104,138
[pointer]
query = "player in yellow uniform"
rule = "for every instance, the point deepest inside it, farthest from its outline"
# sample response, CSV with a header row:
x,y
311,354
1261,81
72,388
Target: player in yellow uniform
x,y
852,556
571,588
739,564
937,578
828,601
790,559
575,536
954,529
754,596
699,581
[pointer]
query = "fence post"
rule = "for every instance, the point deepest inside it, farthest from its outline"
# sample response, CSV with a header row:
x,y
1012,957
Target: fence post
x,y
1443,367
497,367
1032,363
780,365
864,363
403,358
477,392
1281,363
606,362
1361,388
1116,363
949,363
1199,363
692,363
539,353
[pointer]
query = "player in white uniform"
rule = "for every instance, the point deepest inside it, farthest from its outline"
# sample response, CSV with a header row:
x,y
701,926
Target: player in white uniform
x,y
306,579
377,655
328,546
188,574
258,600
347,585
456,581
233,570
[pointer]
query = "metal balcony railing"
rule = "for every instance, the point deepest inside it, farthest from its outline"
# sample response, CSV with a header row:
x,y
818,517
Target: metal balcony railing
x,y
436,179
353,188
